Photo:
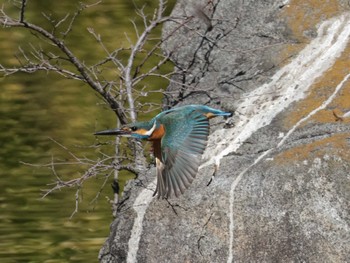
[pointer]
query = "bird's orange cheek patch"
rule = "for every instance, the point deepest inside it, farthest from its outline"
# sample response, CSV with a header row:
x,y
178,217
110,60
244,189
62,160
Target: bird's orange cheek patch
x,y
141,131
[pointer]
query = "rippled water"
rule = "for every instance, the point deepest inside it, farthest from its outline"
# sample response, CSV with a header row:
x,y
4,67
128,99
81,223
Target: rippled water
x,y
38,113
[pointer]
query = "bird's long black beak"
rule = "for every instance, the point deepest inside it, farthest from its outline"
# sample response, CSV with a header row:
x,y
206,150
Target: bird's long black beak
x,y
117,132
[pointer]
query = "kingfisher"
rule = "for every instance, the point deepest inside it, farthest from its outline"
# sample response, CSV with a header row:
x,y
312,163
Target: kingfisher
x,y
179,137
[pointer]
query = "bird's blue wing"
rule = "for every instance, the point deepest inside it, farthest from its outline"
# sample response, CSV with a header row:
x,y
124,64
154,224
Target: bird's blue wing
x,y
182,146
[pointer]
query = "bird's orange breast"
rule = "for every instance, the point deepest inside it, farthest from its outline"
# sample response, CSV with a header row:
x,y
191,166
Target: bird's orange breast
x,y
141,131
158,133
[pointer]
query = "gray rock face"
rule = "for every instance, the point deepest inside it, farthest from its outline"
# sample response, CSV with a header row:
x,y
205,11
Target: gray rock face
x,y
237,55
282,190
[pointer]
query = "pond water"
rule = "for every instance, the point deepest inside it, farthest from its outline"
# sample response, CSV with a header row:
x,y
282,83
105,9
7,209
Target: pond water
x,y
43,115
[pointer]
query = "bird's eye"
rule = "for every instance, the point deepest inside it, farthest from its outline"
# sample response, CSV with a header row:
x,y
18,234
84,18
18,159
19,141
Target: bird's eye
x,y
133,128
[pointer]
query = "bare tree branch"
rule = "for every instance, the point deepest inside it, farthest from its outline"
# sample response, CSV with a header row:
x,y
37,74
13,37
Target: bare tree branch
x,y
9,22
128,77
24,3
122,92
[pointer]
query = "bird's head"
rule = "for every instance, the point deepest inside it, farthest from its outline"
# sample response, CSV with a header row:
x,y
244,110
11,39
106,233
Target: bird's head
x,y
138,130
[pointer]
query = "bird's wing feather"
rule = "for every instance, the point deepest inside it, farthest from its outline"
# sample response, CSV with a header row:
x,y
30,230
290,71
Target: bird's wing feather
x,y
185,139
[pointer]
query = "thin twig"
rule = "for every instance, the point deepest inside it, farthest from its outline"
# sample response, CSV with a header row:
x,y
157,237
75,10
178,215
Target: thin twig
x,y
23,7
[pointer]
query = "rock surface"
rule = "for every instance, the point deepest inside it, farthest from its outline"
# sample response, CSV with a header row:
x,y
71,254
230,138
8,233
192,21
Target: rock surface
x,y
282,192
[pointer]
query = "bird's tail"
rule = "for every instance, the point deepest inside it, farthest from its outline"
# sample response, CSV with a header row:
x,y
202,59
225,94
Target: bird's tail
x,y
211,113
223,113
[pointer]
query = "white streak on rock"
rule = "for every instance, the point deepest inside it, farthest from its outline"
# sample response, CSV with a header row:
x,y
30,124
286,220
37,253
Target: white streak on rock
x,y
288,85
140,206
257,160
321,107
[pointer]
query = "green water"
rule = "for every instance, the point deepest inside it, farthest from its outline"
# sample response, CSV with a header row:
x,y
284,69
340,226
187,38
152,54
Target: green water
x,y
39,113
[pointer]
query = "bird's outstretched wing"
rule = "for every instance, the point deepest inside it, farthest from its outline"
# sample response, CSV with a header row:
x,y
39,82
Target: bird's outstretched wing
x,y
181,148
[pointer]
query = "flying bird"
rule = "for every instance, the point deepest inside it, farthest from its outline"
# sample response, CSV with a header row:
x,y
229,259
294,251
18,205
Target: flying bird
x,y
179,137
